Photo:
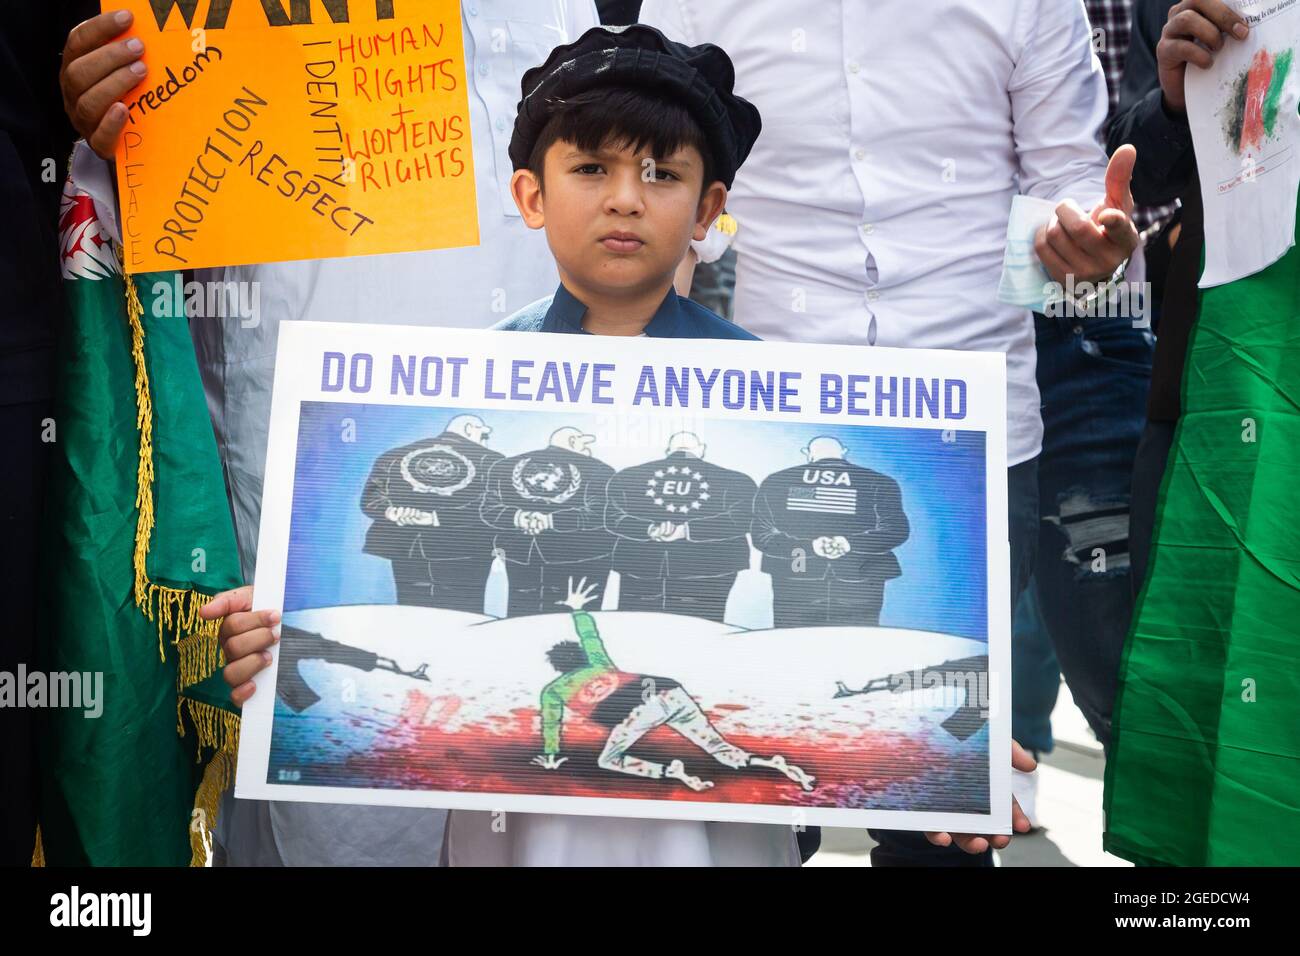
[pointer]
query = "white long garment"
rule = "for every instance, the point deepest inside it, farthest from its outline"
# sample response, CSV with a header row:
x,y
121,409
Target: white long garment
x,y
477,838
873,208
471,287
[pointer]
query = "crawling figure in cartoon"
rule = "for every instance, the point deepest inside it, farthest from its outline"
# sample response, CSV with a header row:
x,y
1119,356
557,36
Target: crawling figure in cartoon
x,y
632,705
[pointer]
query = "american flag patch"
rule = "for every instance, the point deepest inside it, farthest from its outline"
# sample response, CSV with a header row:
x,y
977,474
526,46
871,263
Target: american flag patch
x,y
831,501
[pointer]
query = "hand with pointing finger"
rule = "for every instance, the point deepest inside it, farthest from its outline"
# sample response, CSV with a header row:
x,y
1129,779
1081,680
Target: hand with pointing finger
x,y
1090,246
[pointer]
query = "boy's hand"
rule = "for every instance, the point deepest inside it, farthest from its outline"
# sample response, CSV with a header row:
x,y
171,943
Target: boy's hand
x,y
976,843
245,636
97,72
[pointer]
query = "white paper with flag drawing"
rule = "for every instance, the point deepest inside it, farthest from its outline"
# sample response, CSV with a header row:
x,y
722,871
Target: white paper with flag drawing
x,y
1242,113
635,577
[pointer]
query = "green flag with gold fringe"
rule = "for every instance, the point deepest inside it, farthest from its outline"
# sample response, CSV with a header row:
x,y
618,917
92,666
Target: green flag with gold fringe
x,y
139,534
1205,768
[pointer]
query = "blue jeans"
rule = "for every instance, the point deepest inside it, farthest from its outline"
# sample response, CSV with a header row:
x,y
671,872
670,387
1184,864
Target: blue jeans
x,y
909,848
1035,675
1093,375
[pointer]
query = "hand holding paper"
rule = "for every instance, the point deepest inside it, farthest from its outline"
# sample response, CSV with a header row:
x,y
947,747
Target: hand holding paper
x,y
1241,109
222,155
99,68
245,638
1194,33
976,843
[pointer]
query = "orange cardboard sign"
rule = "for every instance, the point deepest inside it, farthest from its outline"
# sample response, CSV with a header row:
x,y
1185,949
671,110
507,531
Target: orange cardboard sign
x,y
269,130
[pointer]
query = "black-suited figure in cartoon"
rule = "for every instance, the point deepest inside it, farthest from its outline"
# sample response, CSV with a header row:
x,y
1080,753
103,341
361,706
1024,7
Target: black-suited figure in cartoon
x,y
548,509
681,524
425,498
828,530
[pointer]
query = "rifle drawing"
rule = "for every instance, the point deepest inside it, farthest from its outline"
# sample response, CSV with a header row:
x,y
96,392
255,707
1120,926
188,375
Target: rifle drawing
x,y
297,645
968,673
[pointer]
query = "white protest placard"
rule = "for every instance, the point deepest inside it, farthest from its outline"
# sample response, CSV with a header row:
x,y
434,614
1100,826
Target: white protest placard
x,y
1242,113
692,579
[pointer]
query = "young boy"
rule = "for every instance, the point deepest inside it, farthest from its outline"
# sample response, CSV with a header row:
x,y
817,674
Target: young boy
x,y
624,148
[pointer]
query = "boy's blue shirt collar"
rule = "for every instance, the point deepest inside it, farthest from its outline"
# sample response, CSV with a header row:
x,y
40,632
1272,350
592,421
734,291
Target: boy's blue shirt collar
x,y
566,312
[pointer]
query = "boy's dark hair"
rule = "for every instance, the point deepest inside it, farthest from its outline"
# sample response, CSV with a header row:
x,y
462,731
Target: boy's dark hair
x,y
567,656
621,117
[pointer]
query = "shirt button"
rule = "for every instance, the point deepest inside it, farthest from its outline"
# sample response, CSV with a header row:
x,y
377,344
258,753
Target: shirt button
x,y
859,154
853,66
873,296
483,69
868,228
473,11
501,123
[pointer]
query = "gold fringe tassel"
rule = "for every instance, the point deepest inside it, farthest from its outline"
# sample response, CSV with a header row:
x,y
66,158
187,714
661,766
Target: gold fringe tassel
x,y
38,851
176,611
144,472
217,730
200,657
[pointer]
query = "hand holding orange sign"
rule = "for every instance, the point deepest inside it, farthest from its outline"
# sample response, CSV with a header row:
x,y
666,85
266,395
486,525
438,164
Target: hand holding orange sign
x,y
337,129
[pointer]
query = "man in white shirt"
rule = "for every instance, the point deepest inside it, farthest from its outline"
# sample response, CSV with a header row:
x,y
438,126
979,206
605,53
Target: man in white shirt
x,y
873,209
472,287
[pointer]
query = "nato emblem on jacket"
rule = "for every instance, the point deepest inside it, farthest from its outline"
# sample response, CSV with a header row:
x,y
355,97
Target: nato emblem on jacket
x,y
424,500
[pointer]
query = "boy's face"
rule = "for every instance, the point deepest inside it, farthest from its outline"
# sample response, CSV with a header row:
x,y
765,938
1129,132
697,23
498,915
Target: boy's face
x,y
618,221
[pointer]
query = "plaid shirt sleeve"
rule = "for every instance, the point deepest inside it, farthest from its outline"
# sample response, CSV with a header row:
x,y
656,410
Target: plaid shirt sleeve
x,y
1111,22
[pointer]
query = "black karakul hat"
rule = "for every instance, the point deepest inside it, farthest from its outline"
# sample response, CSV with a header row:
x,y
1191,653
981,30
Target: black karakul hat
x,y
699,77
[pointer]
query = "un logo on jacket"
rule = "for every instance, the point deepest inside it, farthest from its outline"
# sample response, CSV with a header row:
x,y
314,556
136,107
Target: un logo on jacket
x,y
559,487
